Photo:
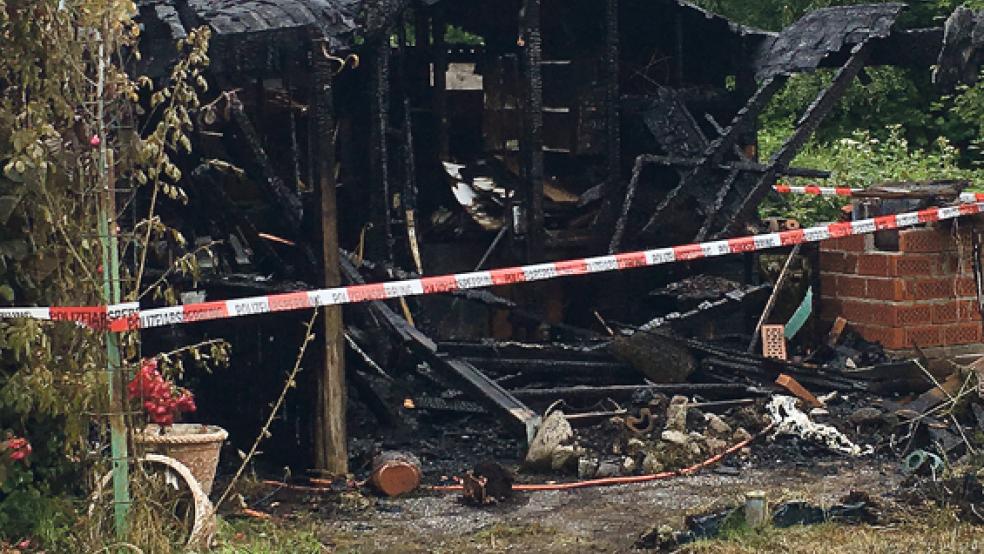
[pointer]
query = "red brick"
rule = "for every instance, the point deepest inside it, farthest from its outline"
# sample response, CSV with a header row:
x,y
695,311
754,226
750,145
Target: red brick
x,y
860,311
851,286
925,239
888,288
879,265
915,265
832,262
969,311
904,315
938,288
851,262
965,286
853,243
888,337
924,335
962,333
828,284
946,312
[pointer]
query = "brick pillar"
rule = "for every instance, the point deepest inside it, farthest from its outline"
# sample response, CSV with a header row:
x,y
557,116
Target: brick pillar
x,y
923,294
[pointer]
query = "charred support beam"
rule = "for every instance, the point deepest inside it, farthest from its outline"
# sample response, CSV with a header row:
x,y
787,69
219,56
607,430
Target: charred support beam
x,y
439,57
734,168
613,182
747,166
408,197
381,201
805,128
716,390
532,143
714,155
271,182
331,446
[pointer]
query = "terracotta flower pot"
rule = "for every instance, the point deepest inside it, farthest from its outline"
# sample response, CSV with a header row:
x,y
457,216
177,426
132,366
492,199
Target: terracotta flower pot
x,y
195,445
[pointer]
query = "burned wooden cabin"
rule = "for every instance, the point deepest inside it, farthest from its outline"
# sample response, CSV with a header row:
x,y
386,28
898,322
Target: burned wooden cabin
x,y
439,136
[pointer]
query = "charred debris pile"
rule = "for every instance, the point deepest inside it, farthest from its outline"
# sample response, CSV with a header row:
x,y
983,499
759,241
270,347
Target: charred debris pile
x,y
350,142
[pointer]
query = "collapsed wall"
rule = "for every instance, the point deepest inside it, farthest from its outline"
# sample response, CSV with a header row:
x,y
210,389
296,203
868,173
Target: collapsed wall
x,y
913,287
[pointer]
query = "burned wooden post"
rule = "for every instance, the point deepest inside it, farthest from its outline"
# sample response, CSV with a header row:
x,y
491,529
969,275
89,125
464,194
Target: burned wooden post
x,y
613,99
532,137
439,58
330,442
379,190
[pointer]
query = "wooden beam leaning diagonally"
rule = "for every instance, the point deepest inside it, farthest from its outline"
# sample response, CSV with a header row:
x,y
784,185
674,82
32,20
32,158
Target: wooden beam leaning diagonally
x,y
805,128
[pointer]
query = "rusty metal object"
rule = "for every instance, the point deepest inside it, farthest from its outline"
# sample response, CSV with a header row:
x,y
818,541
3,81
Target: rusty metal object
x,y
645,414
395,473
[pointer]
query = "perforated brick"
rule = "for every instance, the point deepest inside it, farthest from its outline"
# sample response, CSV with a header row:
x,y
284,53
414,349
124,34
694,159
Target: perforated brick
x,y
965,286
946,312
853,243
925,239
938,288
915,265
888,337
774,341
887,288
910,314
962,333
832,262
924,335
851,286
878,265
969,310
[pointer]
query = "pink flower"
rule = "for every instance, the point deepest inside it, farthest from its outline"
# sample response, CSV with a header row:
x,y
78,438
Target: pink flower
x,y
19,448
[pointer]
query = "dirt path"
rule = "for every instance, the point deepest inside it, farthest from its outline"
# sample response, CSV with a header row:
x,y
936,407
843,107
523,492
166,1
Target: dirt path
x,y
589,520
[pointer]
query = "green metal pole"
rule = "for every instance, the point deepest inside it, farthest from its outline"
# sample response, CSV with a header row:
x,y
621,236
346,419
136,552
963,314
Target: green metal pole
x,y
111,292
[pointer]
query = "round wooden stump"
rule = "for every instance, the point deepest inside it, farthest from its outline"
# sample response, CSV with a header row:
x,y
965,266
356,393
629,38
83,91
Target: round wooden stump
x,y
395,473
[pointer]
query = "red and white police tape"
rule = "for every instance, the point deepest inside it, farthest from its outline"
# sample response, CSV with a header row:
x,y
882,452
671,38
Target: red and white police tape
x,y
814,190
122,317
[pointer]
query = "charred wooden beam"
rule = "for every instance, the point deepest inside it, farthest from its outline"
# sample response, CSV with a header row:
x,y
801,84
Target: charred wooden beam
x,y
738,165
380,200
709,390
696,182
556,368
532,138
271,182
439,57
805,128
613,150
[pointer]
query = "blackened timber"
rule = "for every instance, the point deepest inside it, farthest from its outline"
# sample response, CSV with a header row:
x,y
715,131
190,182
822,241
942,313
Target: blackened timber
x,y
616,243
805,128
485,390
380,200
747,166
734,167
439,57
331,444
553,367
532,143
613,150
716,390
290,203
696,182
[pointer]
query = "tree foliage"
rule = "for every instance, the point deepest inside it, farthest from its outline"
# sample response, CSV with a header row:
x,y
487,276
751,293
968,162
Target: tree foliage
x,y
73,127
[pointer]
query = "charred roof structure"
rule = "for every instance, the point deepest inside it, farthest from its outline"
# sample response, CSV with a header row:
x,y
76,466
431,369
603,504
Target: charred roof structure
x,y
557,128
